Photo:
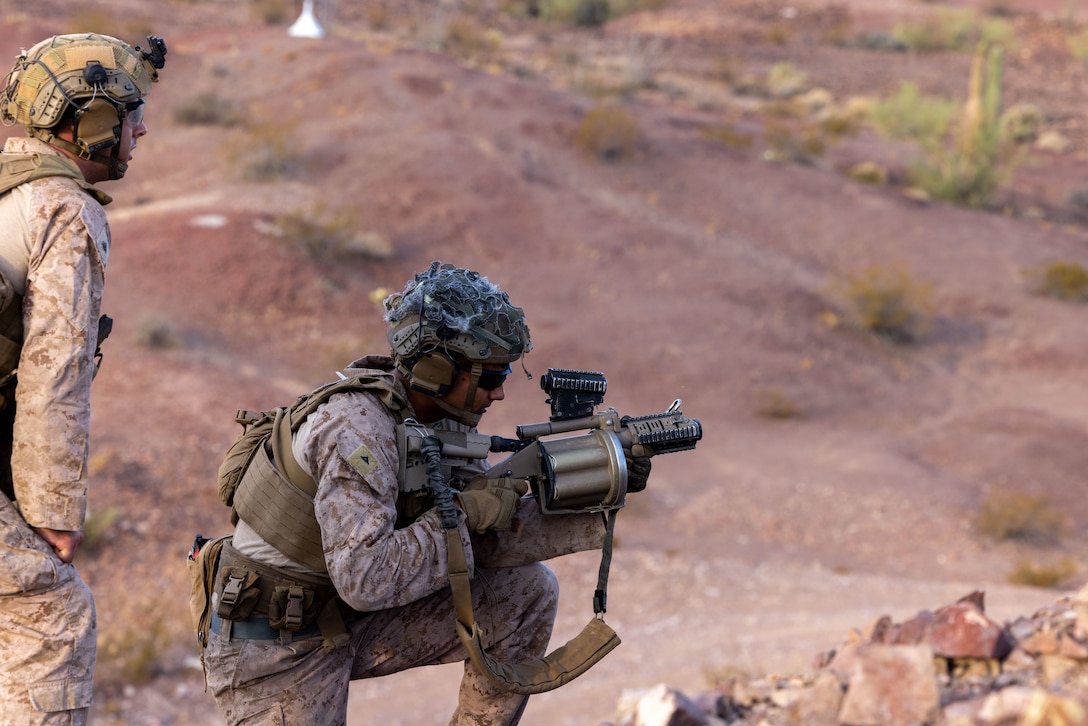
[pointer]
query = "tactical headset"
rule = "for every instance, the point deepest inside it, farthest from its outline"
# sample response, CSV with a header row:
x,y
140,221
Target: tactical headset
x,y
100,78
433,373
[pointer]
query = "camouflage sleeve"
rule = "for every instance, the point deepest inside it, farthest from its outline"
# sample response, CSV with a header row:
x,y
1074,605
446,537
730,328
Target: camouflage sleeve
x,y
70,242
349,447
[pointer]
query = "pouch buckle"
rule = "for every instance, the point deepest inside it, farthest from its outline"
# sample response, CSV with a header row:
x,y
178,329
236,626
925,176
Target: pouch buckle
x,y
231,590
293,612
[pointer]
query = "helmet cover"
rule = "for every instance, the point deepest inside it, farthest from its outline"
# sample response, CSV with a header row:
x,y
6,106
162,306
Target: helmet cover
x,y
72,70
458,312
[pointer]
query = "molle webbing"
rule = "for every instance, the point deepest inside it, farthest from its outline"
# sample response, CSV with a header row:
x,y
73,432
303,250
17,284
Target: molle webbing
x,y
279,511
275,496
266,581
246,588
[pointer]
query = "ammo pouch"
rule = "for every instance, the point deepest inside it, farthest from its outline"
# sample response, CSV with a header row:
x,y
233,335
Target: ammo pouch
x,y
247,588
203,561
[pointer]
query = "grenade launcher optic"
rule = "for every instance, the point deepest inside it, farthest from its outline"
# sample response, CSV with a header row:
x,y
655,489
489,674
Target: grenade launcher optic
x,y
583,472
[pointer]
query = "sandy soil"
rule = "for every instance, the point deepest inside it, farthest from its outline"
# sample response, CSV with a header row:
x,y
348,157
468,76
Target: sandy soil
x,y
691,269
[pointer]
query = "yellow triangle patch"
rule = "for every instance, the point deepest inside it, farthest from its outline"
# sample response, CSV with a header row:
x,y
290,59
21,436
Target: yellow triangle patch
x,y
362,460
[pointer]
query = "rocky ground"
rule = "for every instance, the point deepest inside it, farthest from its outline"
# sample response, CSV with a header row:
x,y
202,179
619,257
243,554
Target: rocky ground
x,y
840,477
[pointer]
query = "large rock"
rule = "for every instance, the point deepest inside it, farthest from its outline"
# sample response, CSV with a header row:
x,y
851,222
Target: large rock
x,y
891,685
953,666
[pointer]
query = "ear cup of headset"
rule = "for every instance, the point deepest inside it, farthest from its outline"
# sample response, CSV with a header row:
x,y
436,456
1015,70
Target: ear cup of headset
x,y
98,127
434,373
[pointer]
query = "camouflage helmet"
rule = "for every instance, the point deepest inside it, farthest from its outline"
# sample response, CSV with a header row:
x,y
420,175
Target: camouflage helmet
x,y
70,70
98,76
457,312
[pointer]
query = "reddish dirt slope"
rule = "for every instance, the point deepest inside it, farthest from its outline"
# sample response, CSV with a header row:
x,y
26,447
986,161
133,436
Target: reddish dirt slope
x,y
691,270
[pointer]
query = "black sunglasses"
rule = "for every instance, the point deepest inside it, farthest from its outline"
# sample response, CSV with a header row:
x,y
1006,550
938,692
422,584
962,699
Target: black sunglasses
x,y
488,380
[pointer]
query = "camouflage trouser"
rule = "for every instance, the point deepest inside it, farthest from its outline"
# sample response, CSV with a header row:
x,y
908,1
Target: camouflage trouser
x,y
47,631
266,682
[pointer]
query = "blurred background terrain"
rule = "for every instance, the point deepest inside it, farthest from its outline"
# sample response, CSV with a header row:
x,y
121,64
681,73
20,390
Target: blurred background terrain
x,y
850,236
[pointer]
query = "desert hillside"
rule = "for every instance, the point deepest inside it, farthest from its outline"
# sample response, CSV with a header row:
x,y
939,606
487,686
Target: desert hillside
x,y
685,197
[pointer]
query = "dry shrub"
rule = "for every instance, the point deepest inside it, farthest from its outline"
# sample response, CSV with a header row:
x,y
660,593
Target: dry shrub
x,y
329,234
609,132
206,109
272,12
1034,574
156,333
466,39
98,527
886,301
132,655
776,404
129,28
729,136
1061,281
1020,516
267,152
799,143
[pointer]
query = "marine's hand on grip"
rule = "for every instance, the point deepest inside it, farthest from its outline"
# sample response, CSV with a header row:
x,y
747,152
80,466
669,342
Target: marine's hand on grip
x,y
638,471
490,504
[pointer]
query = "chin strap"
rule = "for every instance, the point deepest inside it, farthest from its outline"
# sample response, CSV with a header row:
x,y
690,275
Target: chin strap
x,y
465,414
113,163
538,675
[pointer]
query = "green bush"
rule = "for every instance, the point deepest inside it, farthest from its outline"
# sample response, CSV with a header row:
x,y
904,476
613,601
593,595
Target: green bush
x,y
914,116
959,178
982,159
944,30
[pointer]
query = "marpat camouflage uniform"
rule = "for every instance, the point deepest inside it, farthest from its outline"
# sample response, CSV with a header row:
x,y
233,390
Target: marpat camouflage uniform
x,y
54,242
397,580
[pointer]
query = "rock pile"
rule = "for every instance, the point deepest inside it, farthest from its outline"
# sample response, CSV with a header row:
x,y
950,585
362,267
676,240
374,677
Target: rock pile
x,y
954,666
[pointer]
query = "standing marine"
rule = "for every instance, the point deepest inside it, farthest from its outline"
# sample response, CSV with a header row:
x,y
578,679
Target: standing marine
x,y
80,99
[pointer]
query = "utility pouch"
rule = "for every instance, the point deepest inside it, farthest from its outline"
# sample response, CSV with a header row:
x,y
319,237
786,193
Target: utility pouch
x,y
412,505
291,607
202,562
237,592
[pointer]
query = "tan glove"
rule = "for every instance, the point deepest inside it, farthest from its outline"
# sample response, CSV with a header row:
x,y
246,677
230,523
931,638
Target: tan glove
x,y
489,504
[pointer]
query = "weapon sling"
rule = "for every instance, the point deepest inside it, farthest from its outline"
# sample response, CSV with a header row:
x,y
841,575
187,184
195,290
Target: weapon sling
x,y
537,675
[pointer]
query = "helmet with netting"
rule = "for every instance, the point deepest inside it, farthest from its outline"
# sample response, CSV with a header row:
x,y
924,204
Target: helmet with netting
x,y
458,312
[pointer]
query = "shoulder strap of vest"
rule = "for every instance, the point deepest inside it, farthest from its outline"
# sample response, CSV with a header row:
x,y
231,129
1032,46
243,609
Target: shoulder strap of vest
x,y
18,169
288,422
